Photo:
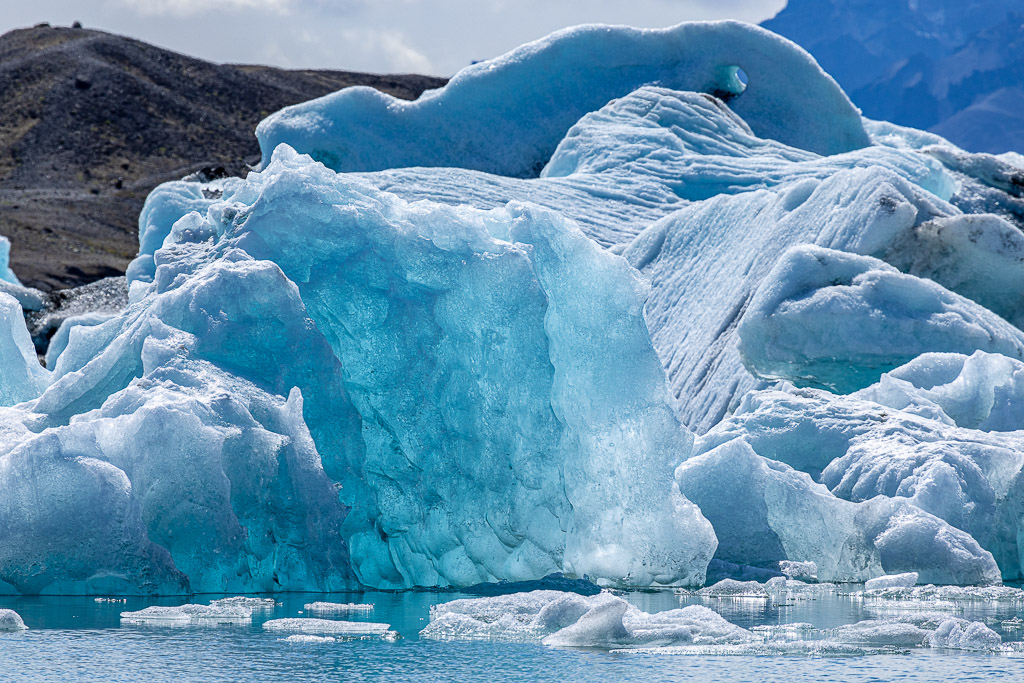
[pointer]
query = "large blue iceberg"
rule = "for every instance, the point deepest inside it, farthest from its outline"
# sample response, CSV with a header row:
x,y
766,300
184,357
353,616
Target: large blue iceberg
x,y
471,339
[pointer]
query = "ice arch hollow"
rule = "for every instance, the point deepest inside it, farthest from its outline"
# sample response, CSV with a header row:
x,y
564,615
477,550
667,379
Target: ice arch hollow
x,y
507,115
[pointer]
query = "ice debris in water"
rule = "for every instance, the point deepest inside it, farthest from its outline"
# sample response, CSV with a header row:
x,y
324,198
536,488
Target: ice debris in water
x,y
11,621
609,622
337,628
226,611
571,620
306,639
337,607
907,580
730,588
951,594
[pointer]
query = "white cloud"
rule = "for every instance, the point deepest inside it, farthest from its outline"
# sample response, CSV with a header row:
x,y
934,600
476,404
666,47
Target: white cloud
x,y
190,8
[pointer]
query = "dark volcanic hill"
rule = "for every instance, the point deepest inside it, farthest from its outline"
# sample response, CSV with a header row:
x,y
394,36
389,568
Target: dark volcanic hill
x,y
90,122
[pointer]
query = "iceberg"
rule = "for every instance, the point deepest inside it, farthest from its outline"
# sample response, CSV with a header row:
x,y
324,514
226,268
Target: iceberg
x,y
463,341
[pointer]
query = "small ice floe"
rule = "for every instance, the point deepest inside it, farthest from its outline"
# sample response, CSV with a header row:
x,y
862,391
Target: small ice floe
x,y
948,598
731,588
307,639
253,604
338,607
907,580
934,630
11,621
337,628
227,611
119,601
792,589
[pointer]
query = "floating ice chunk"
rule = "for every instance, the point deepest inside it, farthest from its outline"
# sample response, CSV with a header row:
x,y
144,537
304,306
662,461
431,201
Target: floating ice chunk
x,y
880,632
342,629
730,588
337,607
947,594
764,511
800,571
243,602
186,615
836,320
982,391
794,589
784,648
907,580
570,620
21,376
11,621
957,634
506,115
305,639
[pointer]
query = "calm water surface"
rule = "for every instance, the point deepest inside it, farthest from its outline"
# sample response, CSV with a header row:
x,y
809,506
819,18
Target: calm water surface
x,y
80,639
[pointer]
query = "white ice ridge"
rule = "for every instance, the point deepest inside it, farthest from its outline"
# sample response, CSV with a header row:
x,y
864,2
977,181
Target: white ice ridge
x,y
506,115
907,580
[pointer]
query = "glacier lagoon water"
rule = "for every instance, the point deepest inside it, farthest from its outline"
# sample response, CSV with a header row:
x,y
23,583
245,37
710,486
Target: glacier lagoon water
x,y
79,638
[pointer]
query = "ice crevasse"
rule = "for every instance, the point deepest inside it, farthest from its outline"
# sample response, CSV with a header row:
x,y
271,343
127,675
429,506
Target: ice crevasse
x,y
466,339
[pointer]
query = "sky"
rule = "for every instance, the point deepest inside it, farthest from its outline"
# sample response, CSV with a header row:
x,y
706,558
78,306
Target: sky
x,y
436,37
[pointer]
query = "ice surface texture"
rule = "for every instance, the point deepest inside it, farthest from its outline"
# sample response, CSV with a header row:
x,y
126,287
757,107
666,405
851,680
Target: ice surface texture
x,y
437,376
836,320
895,438
506,116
